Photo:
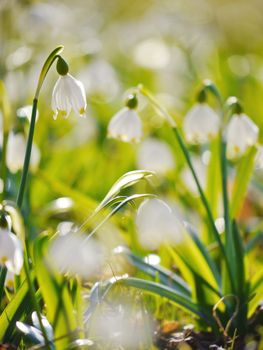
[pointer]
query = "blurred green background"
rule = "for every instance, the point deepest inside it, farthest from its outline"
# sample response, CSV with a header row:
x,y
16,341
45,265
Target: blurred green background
x,y
170,46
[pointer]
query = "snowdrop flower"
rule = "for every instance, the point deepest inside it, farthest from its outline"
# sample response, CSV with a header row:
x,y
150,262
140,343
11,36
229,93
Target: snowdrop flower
x,y
201,124
126,124
68,93
74,254
155,155
16,149
11,253
156,223
241,133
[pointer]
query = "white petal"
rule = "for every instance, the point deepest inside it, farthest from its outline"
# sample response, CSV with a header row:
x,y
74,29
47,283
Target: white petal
x,y
60,99
126,126
155,155
76,94
241,133
11,251
201,124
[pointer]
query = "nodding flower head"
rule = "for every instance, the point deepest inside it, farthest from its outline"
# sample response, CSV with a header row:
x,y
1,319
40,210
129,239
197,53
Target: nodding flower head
x,y
126,125
241,133
201,124
68,93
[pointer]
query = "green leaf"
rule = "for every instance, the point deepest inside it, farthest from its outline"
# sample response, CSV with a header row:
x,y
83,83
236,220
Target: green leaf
x,y
256,289
128,179
165,276
169,293
243,174
13,312
56,296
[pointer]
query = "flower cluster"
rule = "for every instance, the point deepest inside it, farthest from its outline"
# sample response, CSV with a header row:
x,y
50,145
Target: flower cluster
x,y
202,124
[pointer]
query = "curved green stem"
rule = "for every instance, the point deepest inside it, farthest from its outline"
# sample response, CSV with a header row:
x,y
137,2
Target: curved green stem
x,y
22,186
48,63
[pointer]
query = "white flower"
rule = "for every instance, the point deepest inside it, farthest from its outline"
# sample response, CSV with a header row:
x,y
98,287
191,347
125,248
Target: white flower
x,y
16,149
201,124
68,93
11,253
74,254
241,133
156,223
126,126
155,155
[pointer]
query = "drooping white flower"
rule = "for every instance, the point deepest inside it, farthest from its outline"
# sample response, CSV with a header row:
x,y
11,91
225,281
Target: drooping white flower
x,y
16,149
155,155
11,252
241,133
126,126
156,223
201,124
74,254
68,93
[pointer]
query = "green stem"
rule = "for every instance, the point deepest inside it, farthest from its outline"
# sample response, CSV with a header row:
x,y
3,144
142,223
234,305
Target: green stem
x,y
22,186
228,230
48,63
200,190
187,156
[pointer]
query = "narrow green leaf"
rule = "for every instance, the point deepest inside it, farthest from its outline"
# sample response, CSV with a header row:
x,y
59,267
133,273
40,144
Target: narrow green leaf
x,y
165,276
13,311
58,302
168,293
126,180
243,174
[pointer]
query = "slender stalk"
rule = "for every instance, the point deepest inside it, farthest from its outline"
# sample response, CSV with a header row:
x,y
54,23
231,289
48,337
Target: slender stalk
x,y
228,229
200,190
22,186
187,156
